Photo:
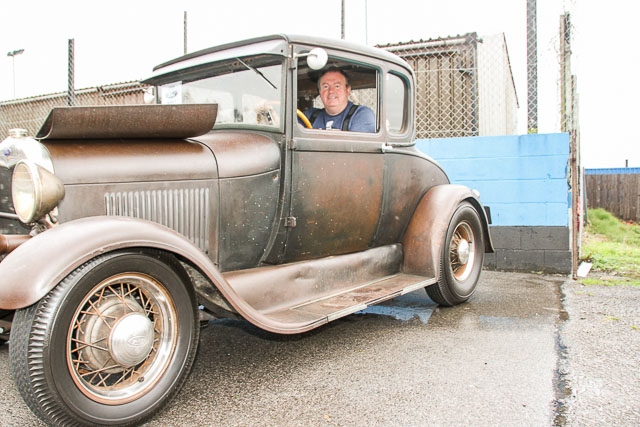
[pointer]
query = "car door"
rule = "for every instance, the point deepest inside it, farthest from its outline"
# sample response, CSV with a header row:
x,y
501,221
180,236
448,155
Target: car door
x,y
336,179
336,196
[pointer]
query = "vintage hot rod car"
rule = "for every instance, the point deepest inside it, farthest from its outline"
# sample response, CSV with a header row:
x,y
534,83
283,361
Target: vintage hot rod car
x,y
122,228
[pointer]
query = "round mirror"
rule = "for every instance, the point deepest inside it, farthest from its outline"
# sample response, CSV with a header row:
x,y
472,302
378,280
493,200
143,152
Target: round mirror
x,y
317,58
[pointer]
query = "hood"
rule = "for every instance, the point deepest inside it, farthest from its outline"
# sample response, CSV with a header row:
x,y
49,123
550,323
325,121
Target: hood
x,y
116,144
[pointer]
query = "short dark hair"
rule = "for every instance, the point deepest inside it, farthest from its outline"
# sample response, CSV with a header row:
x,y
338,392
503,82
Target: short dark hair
x,y
335,70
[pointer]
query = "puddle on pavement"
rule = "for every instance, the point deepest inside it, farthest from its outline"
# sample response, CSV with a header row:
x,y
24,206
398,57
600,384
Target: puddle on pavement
x,y
404,308
399,313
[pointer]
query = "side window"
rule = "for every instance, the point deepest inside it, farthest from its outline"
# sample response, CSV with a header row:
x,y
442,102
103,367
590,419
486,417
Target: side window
x,y
396,92
362,88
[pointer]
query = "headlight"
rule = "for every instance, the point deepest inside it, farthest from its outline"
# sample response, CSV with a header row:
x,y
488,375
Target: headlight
x,y
35,191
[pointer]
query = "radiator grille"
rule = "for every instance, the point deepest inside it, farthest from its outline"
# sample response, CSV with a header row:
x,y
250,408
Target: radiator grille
x,y
9,223
184,210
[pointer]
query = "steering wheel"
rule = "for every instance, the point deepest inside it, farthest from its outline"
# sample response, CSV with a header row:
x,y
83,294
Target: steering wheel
x,y
304,119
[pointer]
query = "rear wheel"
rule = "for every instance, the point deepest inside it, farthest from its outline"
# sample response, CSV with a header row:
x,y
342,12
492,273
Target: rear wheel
x,y
461,258
111,344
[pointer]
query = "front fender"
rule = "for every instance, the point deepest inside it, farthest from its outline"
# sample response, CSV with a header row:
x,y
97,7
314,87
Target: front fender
x,y
427,230
34,268
38,265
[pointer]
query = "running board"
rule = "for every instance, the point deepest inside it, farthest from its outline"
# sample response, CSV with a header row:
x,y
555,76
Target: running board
x,y
350,301
297,297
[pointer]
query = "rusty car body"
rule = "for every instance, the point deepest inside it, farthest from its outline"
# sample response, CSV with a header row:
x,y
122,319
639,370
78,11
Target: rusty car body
x,y
123,227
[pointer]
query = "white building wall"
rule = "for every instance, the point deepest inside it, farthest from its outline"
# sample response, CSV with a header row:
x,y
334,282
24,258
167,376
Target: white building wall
x,y
497,98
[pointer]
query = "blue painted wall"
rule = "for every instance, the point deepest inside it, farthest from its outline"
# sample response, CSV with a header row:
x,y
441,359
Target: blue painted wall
x,y
523,178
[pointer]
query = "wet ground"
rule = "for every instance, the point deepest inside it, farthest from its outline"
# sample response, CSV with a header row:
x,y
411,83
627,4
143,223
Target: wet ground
x,y
526,350
600,358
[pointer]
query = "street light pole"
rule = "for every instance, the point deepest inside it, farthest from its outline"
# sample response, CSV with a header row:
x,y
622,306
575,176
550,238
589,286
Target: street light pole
x,y
13,55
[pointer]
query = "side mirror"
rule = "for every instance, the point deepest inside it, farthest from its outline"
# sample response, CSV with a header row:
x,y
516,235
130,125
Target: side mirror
x,y
316,58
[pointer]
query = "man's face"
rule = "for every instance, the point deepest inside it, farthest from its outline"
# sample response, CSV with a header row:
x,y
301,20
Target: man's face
x,y
334,92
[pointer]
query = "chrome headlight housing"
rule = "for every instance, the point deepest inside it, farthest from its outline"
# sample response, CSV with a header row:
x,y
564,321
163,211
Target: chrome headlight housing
x,y
35,191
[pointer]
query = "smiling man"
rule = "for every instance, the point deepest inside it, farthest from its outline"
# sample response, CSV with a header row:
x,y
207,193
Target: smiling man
x,y
339,113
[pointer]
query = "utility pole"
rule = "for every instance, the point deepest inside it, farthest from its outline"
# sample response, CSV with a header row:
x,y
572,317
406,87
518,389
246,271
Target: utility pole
x,y
185,32
13,55
366,22
71,85
342,22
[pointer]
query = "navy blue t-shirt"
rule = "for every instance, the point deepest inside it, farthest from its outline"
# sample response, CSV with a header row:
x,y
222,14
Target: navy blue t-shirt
x,y
362,120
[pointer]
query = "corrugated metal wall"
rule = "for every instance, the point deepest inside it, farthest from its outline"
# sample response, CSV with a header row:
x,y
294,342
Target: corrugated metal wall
x,y
446,85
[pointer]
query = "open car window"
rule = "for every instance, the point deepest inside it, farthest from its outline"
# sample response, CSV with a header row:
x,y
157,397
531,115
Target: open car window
x,y
362,79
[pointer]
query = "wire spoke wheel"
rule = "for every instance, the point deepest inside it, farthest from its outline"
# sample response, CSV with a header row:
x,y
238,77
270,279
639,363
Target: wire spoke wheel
x,y
462,251
120,333
461,259
121,338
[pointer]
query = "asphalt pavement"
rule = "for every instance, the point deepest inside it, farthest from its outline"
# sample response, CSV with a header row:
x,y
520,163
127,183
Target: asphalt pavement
x,y
526,350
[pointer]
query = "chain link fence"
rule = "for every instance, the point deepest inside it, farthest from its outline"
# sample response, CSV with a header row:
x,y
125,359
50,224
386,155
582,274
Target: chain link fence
x,y
465,87
30,113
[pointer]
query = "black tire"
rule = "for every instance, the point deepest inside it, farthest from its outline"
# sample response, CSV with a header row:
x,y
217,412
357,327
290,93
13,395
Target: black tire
x,y
461,258
110,345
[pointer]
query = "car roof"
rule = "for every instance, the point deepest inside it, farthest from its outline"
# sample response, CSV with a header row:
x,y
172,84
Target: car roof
x,y
337,44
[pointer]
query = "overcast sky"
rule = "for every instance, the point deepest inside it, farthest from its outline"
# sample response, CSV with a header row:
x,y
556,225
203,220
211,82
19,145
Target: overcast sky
x,y
119,41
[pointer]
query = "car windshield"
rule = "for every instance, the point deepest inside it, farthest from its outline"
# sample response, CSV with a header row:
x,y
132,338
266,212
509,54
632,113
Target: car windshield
x,y
248,90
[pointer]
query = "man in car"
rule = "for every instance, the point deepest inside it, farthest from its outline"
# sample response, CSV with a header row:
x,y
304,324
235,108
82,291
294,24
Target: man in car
x,y
339,113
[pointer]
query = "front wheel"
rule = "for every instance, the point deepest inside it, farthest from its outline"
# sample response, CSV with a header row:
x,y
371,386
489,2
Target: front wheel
x,y
461,258
110,345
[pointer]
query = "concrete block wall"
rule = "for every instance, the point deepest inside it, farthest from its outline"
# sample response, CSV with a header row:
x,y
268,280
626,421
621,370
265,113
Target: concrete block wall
x,y
523,179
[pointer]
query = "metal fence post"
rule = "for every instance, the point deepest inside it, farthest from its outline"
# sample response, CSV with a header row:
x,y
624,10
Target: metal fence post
x,y
71,96
532,67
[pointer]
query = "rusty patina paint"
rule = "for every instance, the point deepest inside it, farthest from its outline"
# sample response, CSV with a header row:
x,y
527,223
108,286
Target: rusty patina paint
x,y
129,121
9,242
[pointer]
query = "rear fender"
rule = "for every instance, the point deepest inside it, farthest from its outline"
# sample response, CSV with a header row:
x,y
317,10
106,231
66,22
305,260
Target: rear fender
x,y
427,230
34,268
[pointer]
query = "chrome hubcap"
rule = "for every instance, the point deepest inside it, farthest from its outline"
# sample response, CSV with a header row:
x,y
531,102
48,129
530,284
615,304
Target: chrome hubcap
x,y
131,339
463,251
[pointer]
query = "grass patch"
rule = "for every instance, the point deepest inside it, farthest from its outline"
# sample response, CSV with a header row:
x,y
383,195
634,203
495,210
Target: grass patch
x,y
613,247
605,224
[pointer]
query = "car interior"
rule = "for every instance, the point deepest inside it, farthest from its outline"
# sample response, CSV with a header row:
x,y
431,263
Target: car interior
x,y
363,81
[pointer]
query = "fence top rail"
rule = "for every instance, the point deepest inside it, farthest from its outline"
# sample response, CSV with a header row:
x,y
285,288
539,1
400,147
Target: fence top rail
x,y
612,171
